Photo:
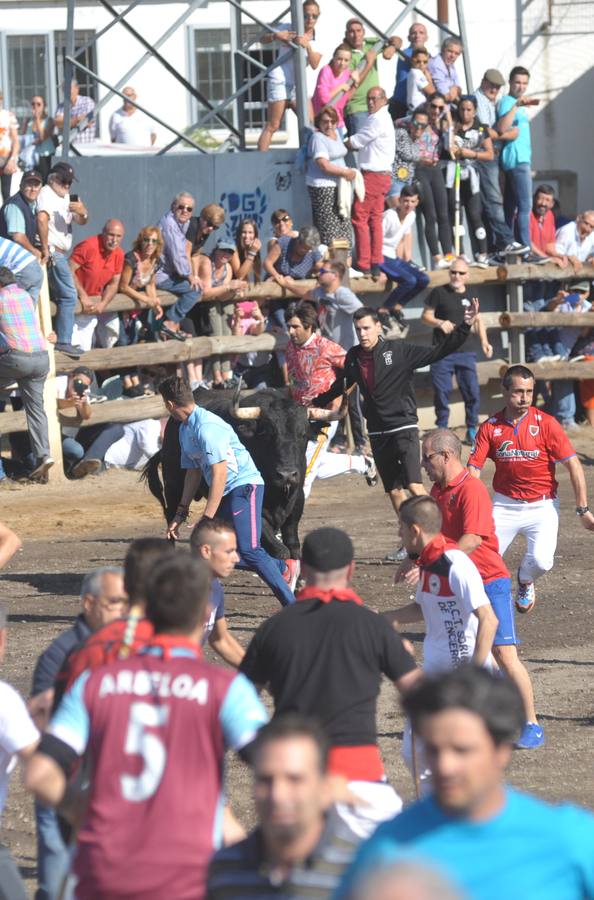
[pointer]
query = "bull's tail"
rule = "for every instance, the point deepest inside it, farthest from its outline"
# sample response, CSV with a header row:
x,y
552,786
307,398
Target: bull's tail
x,y
150,474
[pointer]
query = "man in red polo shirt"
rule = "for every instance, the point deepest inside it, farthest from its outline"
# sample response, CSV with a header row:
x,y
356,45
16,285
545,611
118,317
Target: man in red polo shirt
x,y
526,444
324,656
96,264
467,515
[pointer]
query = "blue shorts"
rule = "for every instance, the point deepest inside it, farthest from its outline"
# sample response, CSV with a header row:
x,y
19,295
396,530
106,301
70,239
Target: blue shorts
x,y
499,593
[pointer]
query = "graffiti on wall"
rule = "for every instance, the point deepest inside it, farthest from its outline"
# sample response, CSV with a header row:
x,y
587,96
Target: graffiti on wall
x,y
247,205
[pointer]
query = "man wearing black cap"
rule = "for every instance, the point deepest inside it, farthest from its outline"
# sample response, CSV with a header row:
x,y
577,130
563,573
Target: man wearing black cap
x,y
324,656
17,216
500,234
55,212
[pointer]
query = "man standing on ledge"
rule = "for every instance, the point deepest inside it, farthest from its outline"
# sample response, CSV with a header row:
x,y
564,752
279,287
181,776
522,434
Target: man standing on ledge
x,y
384,371
525,444
211,449
376,144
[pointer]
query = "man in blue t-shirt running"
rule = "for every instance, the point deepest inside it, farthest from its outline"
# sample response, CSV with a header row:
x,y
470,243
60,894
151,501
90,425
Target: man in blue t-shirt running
x,y
488,839
211,449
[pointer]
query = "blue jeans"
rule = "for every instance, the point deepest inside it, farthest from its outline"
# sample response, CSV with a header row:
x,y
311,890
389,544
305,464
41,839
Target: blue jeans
x,y
518,198
72,452
52,854
563,401
540,342
492,202
411,281
355,121
64,296
30,279
188,297
242,507
463,365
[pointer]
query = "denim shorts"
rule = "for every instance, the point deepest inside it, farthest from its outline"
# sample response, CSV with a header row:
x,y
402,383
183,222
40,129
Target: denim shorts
x,y
499,593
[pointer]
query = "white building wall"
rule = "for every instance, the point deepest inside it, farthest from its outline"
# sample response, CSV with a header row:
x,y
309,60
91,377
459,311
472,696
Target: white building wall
x,y
499,36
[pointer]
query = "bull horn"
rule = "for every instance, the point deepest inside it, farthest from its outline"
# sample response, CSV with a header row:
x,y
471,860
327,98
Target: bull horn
x,y
246,412
325,415
236,395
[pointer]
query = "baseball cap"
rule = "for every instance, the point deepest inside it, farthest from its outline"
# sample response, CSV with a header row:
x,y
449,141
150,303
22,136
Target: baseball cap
x,y
327,549
582,287
64,171
32,175
494,76
225,245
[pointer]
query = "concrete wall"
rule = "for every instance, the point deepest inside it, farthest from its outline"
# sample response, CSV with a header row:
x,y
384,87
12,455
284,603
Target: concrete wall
x,y
139,189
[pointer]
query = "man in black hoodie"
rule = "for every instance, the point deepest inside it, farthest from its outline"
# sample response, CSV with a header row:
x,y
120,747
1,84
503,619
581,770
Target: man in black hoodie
x,y
384,370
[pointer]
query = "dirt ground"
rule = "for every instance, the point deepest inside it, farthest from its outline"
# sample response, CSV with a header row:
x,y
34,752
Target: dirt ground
x,y
70,528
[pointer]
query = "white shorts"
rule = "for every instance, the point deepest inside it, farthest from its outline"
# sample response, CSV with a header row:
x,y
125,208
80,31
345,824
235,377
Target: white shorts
x,y
381,804
538,522
281,90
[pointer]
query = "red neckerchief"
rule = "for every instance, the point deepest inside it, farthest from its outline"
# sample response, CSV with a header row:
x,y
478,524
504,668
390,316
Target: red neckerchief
x,y
314,593
435,549
169,642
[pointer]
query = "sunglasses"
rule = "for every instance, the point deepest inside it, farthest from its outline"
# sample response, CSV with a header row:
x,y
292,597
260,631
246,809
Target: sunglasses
x,y
311,15
182,208
210,224
437,105
36,103
417,124
457,272
325,272
150,240
427,457
282,219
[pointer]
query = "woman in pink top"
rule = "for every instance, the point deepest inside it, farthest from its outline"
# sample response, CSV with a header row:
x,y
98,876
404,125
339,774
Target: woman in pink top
x,y
333,80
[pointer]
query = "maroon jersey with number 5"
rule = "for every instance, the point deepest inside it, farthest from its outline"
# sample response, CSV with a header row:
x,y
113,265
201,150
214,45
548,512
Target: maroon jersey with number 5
x,y
156,727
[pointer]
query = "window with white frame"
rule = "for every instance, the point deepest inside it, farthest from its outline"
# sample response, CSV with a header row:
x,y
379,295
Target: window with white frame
x,y
213,69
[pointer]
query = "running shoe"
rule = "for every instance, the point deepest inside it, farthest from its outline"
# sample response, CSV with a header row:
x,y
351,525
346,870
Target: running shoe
x,y
398,555
292,572
445,261
526,596
370,471
86,467
482,261
40,469
471,433
532,737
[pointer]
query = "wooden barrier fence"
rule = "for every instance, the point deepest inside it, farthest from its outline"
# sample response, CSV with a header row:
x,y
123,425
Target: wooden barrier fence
x,y
172,352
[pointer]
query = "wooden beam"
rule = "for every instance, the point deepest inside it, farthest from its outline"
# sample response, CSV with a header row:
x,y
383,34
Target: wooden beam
x,y
544,319
163,352
562,370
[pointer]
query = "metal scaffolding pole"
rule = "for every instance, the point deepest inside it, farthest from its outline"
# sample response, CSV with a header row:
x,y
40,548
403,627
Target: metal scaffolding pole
x,y
68,73
299,62
464,39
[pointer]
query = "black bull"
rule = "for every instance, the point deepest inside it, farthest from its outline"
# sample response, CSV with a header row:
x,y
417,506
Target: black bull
x,y
276,441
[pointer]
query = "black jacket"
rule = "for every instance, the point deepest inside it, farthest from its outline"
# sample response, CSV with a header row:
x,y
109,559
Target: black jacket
x,y
392,403
51,660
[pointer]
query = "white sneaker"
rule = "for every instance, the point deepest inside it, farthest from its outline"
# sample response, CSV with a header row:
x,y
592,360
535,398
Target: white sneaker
x,y
370,471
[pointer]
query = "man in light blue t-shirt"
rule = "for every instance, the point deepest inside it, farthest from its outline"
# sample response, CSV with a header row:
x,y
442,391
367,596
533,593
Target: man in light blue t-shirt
x,y
516,154
487,839
211,449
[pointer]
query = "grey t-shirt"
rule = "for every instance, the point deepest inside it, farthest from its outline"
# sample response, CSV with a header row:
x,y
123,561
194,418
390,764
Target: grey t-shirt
x,y
336,315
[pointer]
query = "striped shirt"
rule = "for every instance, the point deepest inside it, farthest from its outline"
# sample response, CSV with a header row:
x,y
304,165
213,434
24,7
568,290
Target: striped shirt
x,y
240,872
13,256
19,328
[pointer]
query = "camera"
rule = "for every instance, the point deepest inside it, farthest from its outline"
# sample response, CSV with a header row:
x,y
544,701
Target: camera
x,y
79,387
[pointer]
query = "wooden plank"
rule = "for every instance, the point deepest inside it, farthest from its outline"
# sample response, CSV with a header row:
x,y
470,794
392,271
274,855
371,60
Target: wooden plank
x,y
544,319
133,410
172,351
50,402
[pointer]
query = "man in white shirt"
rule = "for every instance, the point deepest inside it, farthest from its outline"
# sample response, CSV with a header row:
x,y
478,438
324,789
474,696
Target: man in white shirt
x,y
18,740
376,144
128,125
576,239
56,210
140,441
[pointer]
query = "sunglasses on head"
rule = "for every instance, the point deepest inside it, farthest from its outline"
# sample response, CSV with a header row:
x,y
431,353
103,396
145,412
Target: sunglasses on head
x,y
183,208
282,219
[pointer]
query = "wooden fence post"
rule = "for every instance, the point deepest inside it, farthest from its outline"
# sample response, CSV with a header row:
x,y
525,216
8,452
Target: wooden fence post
x,y
50,402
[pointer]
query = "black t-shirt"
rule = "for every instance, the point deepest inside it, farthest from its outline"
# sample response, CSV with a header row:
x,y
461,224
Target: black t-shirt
x,y
192,235
446,303
326,660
